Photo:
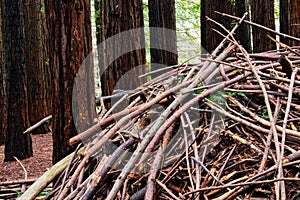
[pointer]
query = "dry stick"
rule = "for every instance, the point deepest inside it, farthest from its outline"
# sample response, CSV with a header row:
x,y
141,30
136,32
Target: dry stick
x,y
46,119
98,127
283,137
238,119
114,106
158,124
68,168
25,173
286,47
156,165
244,141
295,91
269,139
129,114
226,161
150,188
98,176
196,153
64,192
187,153
261,120
16,182
75,194
167,190
240,184
260,26
292,157
214,177
47,178
259,175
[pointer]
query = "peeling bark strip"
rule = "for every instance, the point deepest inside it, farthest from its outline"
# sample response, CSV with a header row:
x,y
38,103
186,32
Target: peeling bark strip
x,y
70,42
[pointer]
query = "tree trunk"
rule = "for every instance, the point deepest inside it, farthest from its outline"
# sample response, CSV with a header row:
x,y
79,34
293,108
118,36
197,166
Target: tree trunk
x,y
17,144
243,32
124,52
163,41
262,12
285,20
295,20
70,42
209,38
3,100
38,81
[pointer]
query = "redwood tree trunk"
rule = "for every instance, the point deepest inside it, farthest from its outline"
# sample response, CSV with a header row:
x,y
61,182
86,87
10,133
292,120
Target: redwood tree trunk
x,y
209,38
295,20
285,20
262,12
243,32
162,15
17,144
116,17
70,42
3,100
39,79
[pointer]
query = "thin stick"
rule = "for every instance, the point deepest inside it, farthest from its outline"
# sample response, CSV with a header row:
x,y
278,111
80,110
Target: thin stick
x,y
46,119
259,26
283,137
25,174
214,177
240,184
167,190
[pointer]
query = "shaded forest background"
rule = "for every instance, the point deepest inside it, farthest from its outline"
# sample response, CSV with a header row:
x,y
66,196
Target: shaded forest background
x,y
44,43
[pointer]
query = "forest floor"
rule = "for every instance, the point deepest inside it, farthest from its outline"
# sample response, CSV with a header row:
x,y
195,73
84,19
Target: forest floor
x,y
35,166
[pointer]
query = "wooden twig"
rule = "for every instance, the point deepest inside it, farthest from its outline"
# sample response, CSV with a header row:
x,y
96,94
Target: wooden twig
x,y
283,136
25,174
260,26
33,191
46,119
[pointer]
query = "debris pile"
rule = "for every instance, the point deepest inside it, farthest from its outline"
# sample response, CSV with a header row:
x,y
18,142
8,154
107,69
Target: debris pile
x,y
226,128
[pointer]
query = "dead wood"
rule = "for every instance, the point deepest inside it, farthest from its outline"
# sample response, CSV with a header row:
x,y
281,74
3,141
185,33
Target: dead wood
x,y
225,128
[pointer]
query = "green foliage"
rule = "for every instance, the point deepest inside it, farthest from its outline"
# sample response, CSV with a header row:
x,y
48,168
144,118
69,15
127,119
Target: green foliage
x,y
42,194
187,25
235,94
188,28
98,109
276,9
217,97
263,113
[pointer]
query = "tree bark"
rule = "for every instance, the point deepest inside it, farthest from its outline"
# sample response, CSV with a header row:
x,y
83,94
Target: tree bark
x,y
209,38
69,44
39,79
243,32
262,12
126,52
3,100
163,42
295,20
285,20
17,144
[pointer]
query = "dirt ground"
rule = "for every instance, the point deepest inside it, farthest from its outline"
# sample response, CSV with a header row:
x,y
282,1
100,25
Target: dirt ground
x,y
35,166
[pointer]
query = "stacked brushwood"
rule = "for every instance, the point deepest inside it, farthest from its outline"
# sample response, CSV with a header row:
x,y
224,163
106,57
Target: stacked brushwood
x,y
226,128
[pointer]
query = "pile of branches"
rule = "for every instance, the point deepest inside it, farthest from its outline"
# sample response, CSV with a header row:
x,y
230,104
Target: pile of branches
x,y
225,128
